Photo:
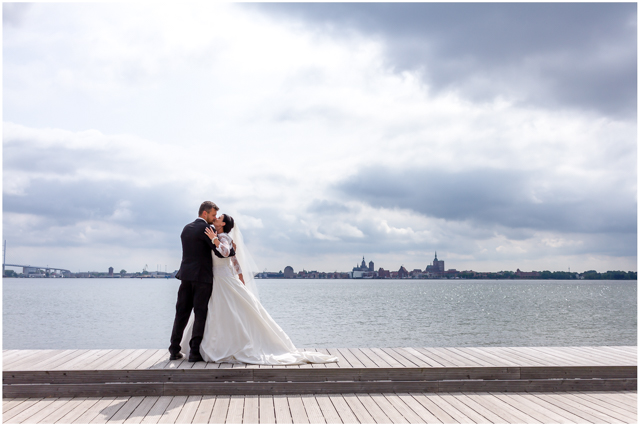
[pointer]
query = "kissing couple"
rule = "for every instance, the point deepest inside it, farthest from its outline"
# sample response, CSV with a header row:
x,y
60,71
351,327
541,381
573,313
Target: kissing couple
x,y
228,323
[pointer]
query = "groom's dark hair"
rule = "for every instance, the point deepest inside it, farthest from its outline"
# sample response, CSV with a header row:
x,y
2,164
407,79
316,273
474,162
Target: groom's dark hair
x,y
207,206
228,223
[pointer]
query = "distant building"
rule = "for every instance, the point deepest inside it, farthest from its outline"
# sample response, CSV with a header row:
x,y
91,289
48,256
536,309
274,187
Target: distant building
x,y
362,270
436,268
110,271
403,273
532,274
383,273
288,272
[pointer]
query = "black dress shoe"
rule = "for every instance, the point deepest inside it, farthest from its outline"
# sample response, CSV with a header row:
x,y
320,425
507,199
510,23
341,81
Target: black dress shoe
x,y
173,357
195,358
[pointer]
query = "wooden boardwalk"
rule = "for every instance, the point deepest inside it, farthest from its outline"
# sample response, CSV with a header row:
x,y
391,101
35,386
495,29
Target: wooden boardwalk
x,y
388,408
367,385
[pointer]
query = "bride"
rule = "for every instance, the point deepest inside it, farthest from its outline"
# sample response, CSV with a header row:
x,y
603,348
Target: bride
x,y
238,329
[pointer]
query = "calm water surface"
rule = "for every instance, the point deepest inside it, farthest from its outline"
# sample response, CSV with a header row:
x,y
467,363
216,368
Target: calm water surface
x,y
135,313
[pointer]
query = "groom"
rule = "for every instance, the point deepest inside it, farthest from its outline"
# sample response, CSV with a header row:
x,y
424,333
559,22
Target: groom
x,y
196,274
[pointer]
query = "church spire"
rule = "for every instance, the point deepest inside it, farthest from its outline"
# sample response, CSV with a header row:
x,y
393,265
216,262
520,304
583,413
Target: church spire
x,y
436,256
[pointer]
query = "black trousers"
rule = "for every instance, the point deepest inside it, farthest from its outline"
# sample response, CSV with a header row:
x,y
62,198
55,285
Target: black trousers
x,y
191,295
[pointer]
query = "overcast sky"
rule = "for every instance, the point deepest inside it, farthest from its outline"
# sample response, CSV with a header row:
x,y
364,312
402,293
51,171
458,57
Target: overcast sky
x,y
502,136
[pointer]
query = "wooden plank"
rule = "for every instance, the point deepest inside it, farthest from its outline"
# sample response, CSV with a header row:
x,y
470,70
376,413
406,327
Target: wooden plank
x,y
189,410
158,409
144,355
236,408
142,410
220,408
478,408
411,409
587,355
419,361
281,406
474,359
251,410
28,358
557,409
267,410
9,403
51,363
125,411
614,356
314,413
329,412
389,410
513,357
551,358
481,357
377,359
462,359
296,407
399,357
84,405
342,362
364,360
540,358
14,411
132,355
529,409
453,410
436,356
27,412
387,358
92,410
204,409
587,413
81,358
358,409
104,415
618,413
528,358
373,408
431,406
568,356
504,359
153,359
172,412
489,357
49,410
613,399
344,411
427,360
93,361
351,358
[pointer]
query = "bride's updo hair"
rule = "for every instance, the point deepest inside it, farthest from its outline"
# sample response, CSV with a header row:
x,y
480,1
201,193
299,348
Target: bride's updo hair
x,y
228,223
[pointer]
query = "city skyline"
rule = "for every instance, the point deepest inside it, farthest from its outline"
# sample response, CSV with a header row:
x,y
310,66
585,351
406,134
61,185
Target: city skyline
x,y
504,135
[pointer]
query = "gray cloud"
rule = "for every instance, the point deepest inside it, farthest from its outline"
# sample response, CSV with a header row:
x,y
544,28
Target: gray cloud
x,y
511,199
555,55
13,14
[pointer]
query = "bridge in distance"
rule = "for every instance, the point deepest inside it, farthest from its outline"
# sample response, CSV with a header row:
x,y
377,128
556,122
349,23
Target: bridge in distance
x,y
25,268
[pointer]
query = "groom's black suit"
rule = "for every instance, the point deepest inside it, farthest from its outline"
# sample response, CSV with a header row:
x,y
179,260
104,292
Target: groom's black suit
x,y
196,273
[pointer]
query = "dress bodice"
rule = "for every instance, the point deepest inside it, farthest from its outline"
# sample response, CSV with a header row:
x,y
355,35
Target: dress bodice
x,y
223,266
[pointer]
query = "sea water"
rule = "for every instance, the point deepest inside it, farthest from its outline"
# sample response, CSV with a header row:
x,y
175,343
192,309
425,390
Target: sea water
x,y
138,313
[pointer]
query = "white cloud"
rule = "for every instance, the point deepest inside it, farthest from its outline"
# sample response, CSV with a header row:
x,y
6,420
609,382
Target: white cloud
x,y
174,105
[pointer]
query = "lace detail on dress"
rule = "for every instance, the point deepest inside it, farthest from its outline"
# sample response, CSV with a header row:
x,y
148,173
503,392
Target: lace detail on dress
x,y
225,244
236,265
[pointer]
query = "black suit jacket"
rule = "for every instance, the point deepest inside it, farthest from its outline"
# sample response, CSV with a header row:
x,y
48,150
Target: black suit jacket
x,y
197,264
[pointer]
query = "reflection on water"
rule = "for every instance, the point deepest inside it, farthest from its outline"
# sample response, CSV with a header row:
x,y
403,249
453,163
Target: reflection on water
x,y
134,313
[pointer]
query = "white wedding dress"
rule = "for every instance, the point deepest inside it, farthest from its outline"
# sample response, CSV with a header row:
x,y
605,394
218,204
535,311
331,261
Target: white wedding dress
x,y
238,329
